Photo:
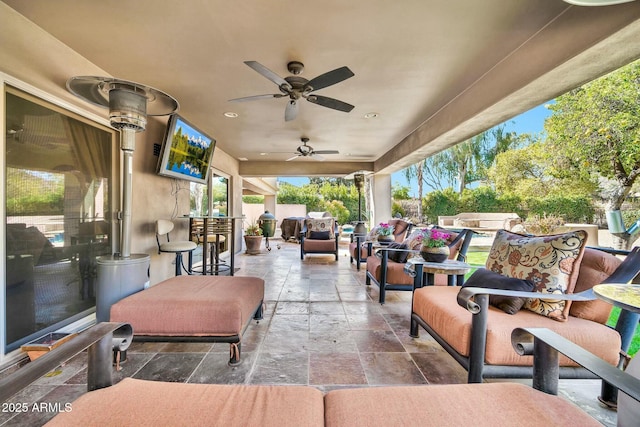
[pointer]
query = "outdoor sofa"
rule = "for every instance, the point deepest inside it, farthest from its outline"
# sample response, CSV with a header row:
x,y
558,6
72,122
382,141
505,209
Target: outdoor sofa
x,y
149,403
477,334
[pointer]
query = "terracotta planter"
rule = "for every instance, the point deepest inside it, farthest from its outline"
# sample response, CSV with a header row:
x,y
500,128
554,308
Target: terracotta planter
x,y
45,344
435,254
253,244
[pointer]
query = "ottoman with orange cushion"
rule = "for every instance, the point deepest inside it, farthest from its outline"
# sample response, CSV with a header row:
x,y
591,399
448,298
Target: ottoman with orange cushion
x,y
152,403
194,308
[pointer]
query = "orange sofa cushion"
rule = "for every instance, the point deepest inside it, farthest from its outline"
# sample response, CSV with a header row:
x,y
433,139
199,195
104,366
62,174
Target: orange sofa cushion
x,y
396,274
594,268
319,245
134,402
437,306
192,306
395,271
478,405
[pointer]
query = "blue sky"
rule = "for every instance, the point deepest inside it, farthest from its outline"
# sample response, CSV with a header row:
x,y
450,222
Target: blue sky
x,y
531,122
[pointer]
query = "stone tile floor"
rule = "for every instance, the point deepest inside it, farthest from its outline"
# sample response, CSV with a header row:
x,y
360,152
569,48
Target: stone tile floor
x,y
322,327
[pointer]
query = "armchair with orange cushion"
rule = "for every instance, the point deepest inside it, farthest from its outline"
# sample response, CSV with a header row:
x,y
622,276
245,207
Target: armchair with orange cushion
x,y
360,246
473,323
319,236
385,267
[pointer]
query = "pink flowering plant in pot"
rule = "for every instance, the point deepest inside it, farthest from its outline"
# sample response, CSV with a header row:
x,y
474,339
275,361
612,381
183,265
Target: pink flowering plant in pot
x,y
385,229
434,246
385,232
435,238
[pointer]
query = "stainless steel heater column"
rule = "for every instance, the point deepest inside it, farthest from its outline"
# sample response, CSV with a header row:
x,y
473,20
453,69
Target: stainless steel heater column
x,y
122,274
127,103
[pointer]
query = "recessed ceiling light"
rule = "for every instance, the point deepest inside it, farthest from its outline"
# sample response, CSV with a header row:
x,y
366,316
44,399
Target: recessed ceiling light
x,y
371,115
263,154
242,159
230,114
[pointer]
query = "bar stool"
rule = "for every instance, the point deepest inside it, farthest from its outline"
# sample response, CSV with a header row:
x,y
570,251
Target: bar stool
x,y
214,241
163,228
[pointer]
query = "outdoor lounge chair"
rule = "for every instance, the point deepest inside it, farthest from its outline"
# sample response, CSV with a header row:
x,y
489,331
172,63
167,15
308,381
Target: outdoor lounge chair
x,y
319,236
389,275
360,246
476,335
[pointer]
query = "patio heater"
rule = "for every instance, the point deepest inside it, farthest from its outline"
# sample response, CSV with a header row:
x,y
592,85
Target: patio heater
x,y
129,105
360,228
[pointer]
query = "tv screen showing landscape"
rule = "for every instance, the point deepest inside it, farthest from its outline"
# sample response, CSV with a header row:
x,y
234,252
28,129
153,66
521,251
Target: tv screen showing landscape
x,y
187,152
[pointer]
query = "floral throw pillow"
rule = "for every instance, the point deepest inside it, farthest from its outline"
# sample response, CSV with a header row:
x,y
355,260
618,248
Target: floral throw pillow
x,y
315,225
551,262
414,240
373,234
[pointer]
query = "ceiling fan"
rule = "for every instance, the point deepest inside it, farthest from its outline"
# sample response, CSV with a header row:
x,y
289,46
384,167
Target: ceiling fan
x,y
305,150
296,87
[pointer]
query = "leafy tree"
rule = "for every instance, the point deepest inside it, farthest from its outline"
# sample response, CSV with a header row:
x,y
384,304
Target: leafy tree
x,y
338,211
321,194
438,203
400,192
459,163
595,129
527,171
345,192
253,199
306,195
466,162
320,181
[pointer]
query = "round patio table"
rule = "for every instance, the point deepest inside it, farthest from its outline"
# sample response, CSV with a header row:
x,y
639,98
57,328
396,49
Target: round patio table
x,y
620,294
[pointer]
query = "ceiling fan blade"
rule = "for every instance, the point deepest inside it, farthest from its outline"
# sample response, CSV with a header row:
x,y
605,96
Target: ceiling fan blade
x,y
329,78
291,111
326,152
293,158
315,156
265,72
335,104
254,97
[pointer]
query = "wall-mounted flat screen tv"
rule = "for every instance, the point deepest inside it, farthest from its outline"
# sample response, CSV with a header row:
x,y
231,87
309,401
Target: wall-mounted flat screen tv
x,y
186,152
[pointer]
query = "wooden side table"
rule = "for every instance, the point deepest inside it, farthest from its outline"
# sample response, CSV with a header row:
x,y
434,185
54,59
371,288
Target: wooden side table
x,y
455,271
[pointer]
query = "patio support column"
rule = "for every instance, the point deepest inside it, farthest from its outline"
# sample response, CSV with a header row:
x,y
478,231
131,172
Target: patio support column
x,y
381,199
270,204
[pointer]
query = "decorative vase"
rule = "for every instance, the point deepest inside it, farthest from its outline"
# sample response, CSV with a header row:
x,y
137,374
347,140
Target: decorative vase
x,y
385,239
438,254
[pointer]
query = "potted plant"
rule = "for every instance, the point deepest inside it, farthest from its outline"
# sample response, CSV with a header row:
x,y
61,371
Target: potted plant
x,y
434,245
253,238
385,232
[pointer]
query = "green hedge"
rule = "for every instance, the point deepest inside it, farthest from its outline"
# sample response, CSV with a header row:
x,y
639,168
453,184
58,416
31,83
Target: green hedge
x,y
573,209
484,199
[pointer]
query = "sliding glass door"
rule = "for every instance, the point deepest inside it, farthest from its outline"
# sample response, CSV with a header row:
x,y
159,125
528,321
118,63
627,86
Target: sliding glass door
x,y
59,191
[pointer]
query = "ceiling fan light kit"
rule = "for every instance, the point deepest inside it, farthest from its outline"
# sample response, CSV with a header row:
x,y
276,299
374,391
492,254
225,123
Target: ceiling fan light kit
x,y
295,87
305,150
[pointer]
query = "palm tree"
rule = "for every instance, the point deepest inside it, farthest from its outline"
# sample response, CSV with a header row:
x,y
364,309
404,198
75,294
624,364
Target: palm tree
x,y
416,171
